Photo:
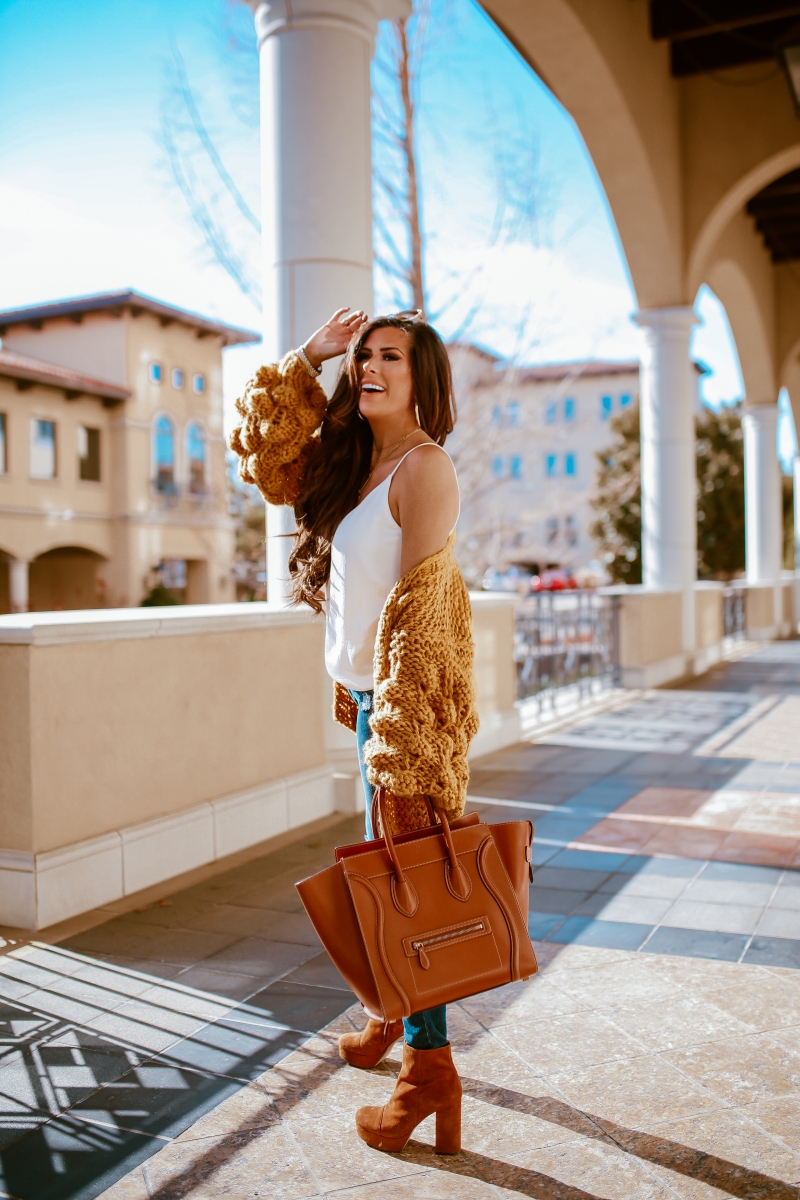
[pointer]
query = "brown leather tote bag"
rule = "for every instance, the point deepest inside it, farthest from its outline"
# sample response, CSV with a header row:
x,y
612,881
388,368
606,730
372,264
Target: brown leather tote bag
x,y
428,917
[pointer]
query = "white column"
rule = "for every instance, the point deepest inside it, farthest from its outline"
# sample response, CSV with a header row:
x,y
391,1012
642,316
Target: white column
x,y
668,463
797,512
316,182
18,579
762,495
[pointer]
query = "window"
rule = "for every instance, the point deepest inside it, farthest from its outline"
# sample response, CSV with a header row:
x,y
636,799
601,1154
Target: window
x,y
551,529
569,409
3,445
605,407
199,384
513,413
43,449
196,457
497,466
570,464
624,401
154,372
570,531
497,416
88,453
550,465
551,412
164,454
515,466
177,378
173,573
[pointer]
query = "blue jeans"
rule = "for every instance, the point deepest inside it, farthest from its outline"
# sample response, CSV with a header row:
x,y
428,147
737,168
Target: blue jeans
x,y
423,1030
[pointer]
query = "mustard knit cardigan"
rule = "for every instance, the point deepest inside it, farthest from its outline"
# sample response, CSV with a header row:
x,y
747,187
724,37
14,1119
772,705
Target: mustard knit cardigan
x,y
424,714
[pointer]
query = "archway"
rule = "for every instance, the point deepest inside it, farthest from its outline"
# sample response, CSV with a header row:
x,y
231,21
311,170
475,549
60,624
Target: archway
x,y
733,288
5,582
629,131
66,577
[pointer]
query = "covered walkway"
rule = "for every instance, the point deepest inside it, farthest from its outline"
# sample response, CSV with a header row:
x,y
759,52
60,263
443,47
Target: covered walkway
x,y
187,1048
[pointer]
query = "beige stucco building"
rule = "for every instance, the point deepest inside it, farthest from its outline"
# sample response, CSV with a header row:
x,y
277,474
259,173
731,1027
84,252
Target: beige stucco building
x,y
525,447
112,454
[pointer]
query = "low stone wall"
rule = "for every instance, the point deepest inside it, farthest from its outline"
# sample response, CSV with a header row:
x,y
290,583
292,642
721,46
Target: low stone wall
x,y
709,624
650,636
771,610
138,744
495,672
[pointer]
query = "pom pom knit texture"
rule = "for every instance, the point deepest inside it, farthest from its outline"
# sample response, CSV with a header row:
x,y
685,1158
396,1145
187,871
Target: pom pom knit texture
x,y
281,410
424,714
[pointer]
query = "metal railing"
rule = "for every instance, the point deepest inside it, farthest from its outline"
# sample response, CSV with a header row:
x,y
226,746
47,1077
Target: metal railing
x,y
566,638
733,617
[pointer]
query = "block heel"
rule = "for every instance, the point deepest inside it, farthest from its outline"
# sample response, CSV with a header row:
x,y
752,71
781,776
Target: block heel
x,y
448,1129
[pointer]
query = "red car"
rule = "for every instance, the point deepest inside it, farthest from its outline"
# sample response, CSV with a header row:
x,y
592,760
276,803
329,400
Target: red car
x,y
556,580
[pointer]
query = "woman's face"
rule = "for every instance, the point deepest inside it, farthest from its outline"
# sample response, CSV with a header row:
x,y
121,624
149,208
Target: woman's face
x,y
384,367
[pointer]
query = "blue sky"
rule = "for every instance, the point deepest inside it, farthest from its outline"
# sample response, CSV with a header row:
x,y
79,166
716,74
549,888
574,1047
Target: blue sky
x,y
87,202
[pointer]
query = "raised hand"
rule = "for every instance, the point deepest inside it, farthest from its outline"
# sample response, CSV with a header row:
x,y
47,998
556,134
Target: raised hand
x,y
334,337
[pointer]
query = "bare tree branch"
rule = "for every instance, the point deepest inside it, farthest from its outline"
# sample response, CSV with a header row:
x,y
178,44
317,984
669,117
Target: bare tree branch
x,y
207,143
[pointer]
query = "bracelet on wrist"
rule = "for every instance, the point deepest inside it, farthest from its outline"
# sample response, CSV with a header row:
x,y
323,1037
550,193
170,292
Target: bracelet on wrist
x,y
313,371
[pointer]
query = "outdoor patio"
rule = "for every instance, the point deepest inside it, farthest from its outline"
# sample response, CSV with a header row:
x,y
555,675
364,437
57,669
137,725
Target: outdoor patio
x,y
187,1049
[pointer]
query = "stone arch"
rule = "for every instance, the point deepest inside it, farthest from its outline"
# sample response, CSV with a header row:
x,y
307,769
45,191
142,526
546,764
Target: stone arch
x,y
732,203
628,121
5,582
732,287
66,577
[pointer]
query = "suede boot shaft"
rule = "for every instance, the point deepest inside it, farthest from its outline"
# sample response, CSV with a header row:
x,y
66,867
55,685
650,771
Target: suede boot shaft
x,y
428,1083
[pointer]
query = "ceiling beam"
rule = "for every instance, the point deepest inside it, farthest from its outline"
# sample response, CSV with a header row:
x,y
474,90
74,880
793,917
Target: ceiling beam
x,y
689,19
717,51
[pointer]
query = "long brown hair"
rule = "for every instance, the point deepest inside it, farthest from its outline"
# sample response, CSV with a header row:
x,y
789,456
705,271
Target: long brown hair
x,y
339,465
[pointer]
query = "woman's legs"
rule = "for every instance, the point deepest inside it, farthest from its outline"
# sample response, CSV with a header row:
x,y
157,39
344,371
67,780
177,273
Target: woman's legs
x,y
425,1030
363,734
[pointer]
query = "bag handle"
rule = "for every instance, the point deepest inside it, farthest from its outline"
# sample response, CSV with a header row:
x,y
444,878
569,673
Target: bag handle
x,y
405,897
374,810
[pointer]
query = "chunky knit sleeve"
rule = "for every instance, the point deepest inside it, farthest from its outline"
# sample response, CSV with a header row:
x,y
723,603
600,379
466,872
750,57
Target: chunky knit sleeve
x,y
281,409
424,714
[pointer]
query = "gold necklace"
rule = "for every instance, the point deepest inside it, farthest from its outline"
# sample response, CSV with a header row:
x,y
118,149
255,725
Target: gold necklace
x,y
388,454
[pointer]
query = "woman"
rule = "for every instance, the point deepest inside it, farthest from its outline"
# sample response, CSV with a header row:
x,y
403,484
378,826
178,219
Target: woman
x,y
376,501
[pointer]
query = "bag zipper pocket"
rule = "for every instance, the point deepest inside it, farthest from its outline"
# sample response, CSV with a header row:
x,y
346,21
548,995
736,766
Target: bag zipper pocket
x,y
439,939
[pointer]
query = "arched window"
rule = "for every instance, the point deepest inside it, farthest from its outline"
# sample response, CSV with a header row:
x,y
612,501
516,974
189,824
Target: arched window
x,y
164,454
196,457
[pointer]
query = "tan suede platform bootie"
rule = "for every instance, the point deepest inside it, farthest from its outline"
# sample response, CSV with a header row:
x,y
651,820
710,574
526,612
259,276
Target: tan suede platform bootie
x,y
366,1049
428,1083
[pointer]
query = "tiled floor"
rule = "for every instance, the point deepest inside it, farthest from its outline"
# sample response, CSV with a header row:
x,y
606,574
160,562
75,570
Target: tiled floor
x,y
690,845
119,1039
165,1053
608,1075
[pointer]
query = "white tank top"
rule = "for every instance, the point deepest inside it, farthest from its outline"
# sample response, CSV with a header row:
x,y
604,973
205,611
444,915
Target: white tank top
x,y
365,566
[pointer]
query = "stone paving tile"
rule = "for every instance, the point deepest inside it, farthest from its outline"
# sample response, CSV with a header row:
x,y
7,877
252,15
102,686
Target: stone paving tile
x,y
779,923
585,931
637,910
646,885
707,889
773,952
558,901
740,1070
696,943
721,918
540,925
